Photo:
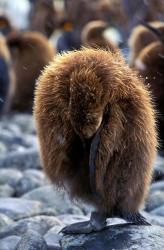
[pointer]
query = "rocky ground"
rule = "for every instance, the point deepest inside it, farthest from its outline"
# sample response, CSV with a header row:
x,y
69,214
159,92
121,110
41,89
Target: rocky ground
x,y
32,211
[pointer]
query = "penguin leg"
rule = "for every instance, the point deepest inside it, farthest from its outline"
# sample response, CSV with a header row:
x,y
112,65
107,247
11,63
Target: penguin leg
x,y
96,223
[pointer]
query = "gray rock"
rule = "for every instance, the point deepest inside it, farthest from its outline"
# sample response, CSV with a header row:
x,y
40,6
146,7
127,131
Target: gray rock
x,y
53,198
26,184
19,208
158,211
40,224
9,243
72,218
25,122
155,199
52,237
4,221
21,160
38,174
158,173
123,237
6,191
154,219
10,176
157,186
32,240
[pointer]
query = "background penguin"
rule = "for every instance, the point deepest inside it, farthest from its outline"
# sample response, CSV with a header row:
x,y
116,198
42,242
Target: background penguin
x,y
141,37
96,128
31,52
7,84
93,35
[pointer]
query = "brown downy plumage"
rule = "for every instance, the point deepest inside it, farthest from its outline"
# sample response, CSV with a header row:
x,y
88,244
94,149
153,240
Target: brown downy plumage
x,y
141,37
93,36
150,64
44,17
96,128
7,79
31,52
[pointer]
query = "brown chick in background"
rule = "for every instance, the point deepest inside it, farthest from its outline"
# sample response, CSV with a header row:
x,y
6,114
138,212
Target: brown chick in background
x,y
97,134
31,52
141,37
93,36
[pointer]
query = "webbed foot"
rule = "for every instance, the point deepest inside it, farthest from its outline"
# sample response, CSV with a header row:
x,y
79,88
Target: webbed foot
x,y
96,223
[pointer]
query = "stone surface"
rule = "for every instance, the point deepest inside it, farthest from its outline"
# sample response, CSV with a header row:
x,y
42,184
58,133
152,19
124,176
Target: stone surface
x,y
10,176
40,224
4,221
53,198
53,237
21,160
32,240
9,243
19,208
6,191
157,186
158,211
121,237
26,184
155,200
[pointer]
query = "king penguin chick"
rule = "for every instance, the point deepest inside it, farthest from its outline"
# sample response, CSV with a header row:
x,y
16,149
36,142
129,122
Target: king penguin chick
x,y
97,133
142,37
31,52
93,35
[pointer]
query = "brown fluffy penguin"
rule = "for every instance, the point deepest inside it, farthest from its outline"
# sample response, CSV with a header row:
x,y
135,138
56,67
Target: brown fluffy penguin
x,y
141,37
7,79
44,17
93,36
31,52
150,64
96,128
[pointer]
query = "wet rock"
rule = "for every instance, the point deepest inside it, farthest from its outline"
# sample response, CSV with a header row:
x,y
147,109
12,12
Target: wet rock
x,y
35,173
4,221
10,176
6,191
118,237
158,211
9,243
19,208
32,240
158,173
21,160
154,219
72,218
157,186
155,199
53,198
40,224
53,237
26,184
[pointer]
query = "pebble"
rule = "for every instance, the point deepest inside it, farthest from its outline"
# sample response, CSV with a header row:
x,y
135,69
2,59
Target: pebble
x,y
10,176
53,198
9,243
16,208
31,240
155,199
21,160
158,211
6,191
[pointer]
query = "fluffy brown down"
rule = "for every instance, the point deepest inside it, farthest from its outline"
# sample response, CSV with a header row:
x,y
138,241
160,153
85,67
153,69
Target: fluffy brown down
x,y
93,36
150,64
31,52
72,95
141,37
